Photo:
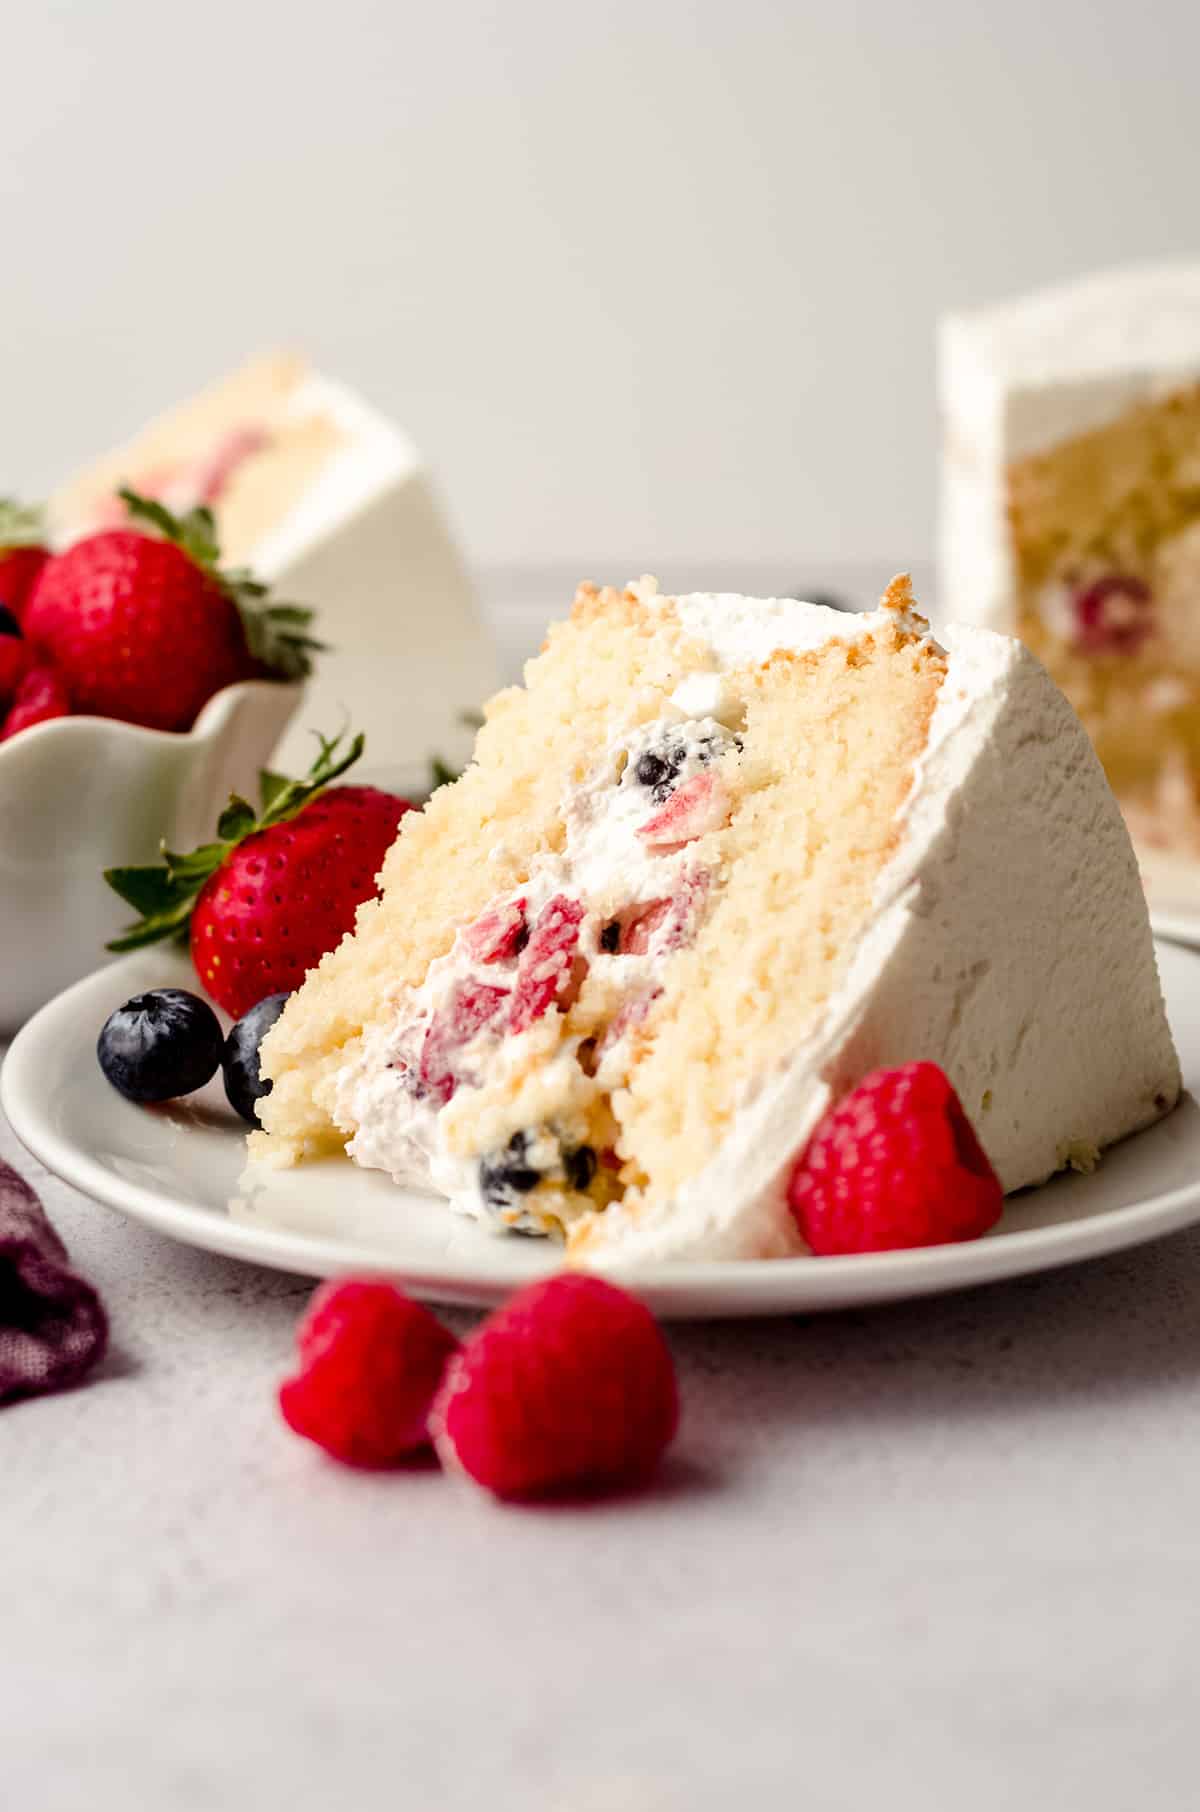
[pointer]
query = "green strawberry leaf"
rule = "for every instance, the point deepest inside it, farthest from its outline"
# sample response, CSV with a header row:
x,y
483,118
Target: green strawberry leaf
x,y
149,891
156,929
164,895
441,773
197,864
237,820
276,634
327,766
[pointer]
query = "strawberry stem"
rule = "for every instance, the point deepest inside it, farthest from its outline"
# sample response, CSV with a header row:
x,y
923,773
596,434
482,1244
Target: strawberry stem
x,y
276,634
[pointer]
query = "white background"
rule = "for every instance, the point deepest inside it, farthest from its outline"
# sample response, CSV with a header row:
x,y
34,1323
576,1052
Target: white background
x,y
648,282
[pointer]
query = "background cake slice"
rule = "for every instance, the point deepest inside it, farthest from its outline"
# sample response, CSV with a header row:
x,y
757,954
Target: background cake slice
x,y
322,496
1071,514
718,858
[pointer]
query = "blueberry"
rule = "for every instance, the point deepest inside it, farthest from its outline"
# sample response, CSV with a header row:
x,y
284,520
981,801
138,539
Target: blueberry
x,y
657,770
8,623
507,1174
244,1085
610,937
159,1045
580,1166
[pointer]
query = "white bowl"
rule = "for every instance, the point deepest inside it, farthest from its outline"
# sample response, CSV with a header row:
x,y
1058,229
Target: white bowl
x,y
82,794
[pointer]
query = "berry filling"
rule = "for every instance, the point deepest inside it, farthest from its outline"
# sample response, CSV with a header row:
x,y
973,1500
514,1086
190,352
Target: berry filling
x,y
496,1078
1113,615
546,963
700,805
450,1031
499,934
530,1159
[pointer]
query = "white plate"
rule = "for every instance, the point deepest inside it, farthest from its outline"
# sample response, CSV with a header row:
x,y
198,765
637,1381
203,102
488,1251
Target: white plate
x,y
179,1168
1172,886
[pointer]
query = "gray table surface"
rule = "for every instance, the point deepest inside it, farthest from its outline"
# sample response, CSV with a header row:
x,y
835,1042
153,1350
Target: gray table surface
x,y
937,1555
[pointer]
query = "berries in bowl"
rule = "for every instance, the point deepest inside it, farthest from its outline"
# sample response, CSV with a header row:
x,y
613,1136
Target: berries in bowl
x,y
140,684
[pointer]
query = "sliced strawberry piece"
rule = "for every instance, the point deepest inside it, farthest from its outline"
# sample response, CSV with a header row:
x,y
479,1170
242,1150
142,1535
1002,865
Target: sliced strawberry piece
x,y
637,933
546,962
500,933
41,696
701,804
668,923
470,1007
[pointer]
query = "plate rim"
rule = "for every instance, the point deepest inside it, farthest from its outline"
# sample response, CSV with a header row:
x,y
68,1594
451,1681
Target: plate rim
x,y
677,1288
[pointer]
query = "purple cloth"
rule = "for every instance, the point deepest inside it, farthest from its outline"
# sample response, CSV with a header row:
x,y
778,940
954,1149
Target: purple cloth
x,y
52,1324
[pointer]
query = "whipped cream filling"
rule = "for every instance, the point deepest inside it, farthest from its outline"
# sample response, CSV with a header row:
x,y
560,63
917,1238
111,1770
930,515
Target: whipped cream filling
x,y
627,890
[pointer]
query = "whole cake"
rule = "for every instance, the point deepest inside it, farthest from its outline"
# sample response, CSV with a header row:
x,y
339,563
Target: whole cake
x,y
1071,514
327,500
717,859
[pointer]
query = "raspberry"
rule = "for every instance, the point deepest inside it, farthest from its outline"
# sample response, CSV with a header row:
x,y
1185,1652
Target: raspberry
x,y
569,1387
546,962
371,1361
894,1164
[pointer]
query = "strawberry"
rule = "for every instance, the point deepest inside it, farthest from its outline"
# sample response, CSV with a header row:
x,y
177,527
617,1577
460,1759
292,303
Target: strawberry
x,y
16,658
144,626
276,890
40,696
22,555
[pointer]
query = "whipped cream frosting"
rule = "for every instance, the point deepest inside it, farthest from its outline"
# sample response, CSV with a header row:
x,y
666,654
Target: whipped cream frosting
x,y
1008,941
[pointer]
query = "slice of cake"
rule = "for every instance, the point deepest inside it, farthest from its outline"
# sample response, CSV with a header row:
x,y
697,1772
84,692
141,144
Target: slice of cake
x,y
330,503
717,859
1071,515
